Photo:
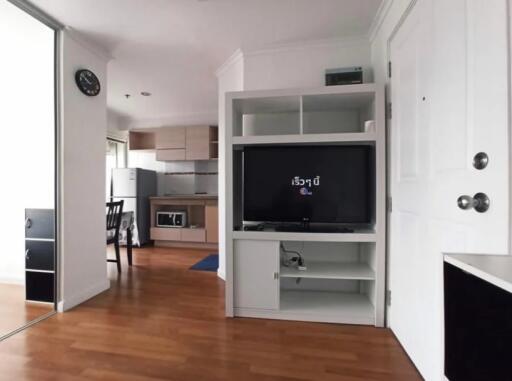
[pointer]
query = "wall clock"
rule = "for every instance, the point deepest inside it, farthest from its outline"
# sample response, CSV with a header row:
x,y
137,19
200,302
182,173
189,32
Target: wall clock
x,y
87,82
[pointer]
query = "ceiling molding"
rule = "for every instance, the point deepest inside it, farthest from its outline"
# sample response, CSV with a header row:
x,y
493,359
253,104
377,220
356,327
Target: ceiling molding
x,y
185,119
240,54
87,44
379,19
308,44
233,59
36,12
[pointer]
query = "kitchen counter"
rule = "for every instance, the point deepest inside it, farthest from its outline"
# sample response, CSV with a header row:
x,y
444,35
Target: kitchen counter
x,y
186,197
202,226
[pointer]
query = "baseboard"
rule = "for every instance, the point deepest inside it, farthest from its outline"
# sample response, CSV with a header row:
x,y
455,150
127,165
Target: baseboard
x,y
75,300
188,245
221,274
13,280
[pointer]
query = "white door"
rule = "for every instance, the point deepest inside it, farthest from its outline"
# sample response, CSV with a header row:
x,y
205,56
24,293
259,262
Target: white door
x,y
449,93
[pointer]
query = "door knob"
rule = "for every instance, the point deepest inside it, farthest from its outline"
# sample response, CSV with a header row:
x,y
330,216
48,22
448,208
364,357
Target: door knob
x,y
480,160
480,202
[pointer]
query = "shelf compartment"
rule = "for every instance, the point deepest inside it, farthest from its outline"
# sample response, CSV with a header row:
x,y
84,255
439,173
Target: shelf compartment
x,y
337,113
142,141
331,270
337,138
267,116
328,306
362,236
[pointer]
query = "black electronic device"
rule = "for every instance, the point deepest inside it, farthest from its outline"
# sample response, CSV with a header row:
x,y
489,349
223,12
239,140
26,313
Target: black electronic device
x,y
308,184
344,76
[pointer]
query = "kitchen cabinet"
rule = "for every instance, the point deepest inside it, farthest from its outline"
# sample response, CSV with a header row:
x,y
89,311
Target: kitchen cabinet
x,y
170,154
212,223
170,138
198,143
201,230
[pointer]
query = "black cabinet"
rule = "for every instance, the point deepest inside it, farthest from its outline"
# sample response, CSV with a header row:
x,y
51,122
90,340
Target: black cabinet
x,y
40,255
40,286
39,223
478,328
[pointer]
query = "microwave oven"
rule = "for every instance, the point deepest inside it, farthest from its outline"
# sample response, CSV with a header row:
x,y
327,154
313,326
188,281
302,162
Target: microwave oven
x,y
171,219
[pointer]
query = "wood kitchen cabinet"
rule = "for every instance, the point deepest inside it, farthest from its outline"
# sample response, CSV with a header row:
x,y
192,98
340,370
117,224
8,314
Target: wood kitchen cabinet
x,y
170,138
178,143
186,143
212,223
202,229
197,143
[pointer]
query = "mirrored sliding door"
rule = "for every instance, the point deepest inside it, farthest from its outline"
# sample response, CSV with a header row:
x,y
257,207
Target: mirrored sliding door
x,y
27,168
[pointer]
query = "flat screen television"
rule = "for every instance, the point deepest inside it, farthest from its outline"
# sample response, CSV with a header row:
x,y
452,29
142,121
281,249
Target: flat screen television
x,y
317,184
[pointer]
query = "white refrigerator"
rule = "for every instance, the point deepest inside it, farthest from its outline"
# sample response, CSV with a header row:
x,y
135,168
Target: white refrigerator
x,y
135,186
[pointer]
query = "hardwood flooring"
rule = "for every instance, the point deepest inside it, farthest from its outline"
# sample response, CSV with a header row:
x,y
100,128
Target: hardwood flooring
x,y
161,321
15,312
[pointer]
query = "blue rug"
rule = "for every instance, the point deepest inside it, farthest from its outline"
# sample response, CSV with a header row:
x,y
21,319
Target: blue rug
x,y
210,263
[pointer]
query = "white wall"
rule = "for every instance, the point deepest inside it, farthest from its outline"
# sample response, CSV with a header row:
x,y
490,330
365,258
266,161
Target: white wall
x,y
230,78
303,65
386,22
27,118
83,266
116,125
286,66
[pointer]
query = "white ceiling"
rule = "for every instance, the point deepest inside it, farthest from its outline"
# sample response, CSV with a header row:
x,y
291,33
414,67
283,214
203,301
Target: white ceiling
x,y
172,48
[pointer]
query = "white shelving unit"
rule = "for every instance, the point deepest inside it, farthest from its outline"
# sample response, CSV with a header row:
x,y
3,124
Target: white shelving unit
x,y
331,270
345,277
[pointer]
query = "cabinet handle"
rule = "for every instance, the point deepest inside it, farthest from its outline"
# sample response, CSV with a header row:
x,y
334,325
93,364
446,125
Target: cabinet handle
x,y
27,256
28,223
276,275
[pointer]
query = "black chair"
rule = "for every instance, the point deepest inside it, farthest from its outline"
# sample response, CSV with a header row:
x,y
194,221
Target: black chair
x,y
114,215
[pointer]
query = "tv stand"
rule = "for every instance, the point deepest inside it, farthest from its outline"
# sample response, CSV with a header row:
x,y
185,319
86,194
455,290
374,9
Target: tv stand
x,y
343,280
307,228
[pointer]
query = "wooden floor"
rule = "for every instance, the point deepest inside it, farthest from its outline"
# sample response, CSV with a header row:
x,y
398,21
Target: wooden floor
x,y
161,321
15,312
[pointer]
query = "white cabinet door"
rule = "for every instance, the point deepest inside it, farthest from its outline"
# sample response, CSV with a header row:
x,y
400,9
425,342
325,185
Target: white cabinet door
x,y
256,274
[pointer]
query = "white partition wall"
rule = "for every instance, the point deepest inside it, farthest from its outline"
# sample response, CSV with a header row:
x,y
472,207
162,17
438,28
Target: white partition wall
x,y
344,281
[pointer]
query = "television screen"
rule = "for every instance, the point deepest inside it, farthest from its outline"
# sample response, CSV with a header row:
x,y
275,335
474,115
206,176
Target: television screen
x,y
328,184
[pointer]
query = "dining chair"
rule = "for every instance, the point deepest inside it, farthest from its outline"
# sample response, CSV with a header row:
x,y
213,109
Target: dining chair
x,y
114,216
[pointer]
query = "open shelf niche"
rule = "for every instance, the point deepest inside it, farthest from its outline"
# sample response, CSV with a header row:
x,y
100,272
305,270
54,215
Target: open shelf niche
x,y
337,284
344,279
337,115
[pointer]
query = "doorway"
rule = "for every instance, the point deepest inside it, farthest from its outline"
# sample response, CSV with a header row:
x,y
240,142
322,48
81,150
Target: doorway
x,y
28,277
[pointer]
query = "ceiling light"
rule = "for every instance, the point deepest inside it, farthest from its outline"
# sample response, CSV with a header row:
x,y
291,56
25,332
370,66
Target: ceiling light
x,y
145,94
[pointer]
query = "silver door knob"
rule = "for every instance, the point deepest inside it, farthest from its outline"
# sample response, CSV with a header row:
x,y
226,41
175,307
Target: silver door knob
x,y
480,202
480,160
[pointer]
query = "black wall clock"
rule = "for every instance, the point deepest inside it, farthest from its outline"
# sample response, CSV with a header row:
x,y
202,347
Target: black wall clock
x,y
87,82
